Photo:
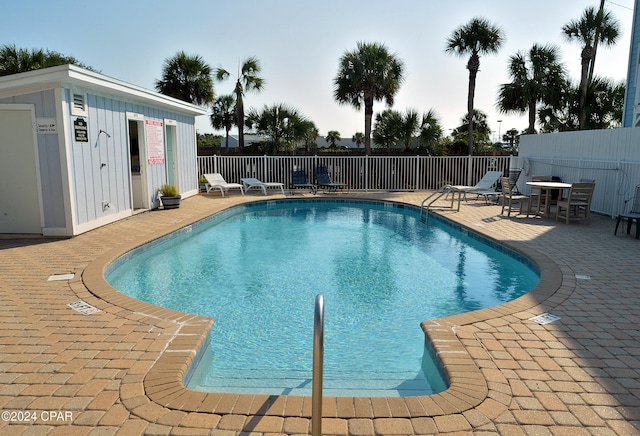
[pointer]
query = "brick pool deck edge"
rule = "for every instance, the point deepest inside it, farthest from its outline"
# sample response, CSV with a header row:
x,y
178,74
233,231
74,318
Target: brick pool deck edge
x,y
120,370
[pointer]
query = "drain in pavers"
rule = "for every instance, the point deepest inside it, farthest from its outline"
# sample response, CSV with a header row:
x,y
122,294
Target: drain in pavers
x,y
545,318
56,277
83,307
582,277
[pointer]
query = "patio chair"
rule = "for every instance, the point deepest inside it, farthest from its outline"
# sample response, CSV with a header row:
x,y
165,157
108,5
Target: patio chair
x,y
485,187
578,202
509,197
633,214
324,181
216,181
514,175
252,183
299,180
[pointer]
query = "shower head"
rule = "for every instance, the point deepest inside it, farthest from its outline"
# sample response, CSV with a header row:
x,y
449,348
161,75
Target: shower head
x,y
102,131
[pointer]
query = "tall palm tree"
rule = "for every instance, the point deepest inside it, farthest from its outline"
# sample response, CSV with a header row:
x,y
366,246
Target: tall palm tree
x,y
358,138
223,115
367,74
591,29
246,80
188,78
536,77
477,37
332,137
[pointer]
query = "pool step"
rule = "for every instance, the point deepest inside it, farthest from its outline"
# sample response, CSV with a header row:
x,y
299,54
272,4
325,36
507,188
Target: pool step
x,y
335,383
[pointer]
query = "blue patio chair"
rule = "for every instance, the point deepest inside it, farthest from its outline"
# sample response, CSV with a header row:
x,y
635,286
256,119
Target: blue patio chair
x,y
324,181
299,180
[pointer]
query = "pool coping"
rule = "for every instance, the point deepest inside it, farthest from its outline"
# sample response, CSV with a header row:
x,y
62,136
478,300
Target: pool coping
x,y
163,383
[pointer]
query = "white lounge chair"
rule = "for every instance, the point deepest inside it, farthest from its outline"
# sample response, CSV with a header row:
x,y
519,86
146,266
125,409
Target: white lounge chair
x,y
485,187
251,183
216,181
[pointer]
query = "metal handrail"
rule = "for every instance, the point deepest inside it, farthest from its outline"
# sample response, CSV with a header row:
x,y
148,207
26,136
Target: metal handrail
x,y
318,362
443,190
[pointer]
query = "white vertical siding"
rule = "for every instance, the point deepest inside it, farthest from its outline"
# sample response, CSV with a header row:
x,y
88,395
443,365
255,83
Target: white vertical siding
x,y
101,168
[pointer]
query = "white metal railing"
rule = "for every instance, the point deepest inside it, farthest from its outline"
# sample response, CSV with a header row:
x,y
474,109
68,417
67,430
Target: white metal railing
x,y
361,173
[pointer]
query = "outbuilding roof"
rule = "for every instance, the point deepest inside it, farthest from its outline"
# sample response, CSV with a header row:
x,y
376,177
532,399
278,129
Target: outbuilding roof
x,y
72,75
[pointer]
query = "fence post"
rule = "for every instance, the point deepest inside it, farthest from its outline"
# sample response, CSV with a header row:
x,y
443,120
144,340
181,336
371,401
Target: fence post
x,y
417,172
366,173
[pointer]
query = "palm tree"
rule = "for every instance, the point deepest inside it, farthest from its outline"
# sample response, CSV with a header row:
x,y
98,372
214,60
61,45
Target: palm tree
x,y
223,115
477,37
284,125
188,78
310,135
430,129
409,126
536,77
605,101
511,136
332,137
358,138
369,73
589,30
246,80
15,60
480,130
388,130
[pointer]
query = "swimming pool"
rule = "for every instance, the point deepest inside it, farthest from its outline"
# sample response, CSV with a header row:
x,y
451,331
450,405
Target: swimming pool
x,y
256,270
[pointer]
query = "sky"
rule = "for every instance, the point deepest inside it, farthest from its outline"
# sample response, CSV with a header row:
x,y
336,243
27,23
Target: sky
x,y
299,44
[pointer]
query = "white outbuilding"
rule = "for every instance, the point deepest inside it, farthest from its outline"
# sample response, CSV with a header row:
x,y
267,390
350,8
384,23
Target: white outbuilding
x,y
79,150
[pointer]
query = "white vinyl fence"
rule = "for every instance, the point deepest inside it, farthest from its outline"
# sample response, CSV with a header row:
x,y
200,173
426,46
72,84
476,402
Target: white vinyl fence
x,y
610,157
361,173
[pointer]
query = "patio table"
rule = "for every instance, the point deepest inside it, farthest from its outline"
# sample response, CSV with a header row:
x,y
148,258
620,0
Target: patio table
x,y
545,190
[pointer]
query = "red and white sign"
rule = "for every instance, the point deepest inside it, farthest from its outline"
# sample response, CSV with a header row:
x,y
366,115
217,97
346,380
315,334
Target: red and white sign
x,y
155,142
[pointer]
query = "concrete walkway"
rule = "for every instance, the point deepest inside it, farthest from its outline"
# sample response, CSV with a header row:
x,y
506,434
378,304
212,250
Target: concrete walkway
x,y
118,371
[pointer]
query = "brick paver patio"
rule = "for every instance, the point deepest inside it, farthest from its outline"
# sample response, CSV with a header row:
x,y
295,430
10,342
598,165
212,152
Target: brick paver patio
x,y
118,371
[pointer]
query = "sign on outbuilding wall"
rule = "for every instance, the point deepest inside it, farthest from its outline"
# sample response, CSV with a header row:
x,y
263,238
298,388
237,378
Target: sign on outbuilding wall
x,y
155,142
80,130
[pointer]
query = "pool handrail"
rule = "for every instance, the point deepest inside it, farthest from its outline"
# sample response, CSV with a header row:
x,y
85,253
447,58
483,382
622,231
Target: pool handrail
x,y
318,358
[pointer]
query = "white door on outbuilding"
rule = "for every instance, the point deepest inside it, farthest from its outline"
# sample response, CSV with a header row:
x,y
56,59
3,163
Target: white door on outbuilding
x,y
19,198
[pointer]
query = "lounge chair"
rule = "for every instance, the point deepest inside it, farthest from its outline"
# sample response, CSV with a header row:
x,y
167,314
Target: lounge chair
x,y
216,181
578,200
633,214
324,180
251,183
299,180
509,197
485,187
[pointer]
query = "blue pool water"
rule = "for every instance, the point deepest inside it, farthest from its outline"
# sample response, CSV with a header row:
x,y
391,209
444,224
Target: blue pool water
x,y
256,270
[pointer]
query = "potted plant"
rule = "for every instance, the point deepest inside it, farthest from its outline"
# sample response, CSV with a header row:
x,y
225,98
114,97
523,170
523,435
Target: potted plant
x,y
169,196
202,184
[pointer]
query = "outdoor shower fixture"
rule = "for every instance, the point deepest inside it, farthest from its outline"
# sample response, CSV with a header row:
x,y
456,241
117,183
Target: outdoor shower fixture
x,y
102,131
